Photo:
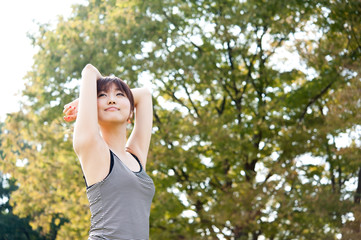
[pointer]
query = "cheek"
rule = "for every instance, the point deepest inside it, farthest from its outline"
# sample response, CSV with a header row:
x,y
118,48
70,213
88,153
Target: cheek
x,y
100,104
125,104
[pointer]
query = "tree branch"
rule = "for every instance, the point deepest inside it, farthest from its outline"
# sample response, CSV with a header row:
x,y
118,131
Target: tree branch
x,y
172,94
314,99
189,97
358,190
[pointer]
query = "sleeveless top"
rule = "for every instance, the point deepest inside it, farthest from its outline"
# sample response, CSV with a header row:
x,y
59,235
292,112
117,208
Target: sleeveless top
x,y
120,204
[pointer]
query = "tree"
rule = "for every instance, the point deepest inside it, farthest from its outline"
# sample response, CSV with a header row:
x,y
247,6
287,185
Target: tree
x,y
11,226
341,48
232,119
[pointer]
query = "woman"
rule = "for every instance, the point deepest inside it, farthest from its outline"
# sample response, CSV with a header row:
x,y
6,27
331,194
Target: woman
x,y
118,189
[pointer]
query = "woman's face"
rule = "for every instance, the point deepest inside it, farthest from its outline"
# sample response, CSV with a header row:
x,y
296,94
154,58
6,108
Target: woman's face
x,y
113,106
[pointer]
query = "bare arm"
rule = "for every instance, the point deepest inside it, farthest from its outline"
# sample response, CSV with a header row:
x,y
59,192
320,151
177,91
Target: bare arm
x,y
88,144
139,140
86,125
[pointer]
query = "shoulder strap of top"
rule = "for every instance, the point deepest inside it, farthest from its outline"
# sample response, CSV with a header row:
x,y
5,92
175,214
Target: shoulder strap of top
x,y
141,167
110,169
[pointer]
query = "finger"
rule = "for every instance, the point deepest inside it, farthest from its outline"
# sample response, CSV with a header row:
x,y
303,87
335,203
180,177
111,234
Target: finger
x,y
70,110
66,109
66,119
69,118
72,117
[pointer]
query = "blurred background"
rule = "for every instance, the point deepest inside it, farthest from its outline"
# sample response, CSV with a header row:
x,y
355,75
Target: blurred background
x,y
18,19
256,114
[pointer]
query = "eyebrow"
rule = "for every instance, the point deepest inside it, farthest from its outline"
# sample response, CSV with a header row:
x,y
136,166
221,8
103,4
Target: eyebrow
x,y
107,90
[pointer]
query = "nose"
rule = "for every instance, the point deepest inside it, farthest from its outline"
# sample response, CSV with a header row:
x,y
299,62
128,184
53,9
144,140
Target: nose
x,y
111,100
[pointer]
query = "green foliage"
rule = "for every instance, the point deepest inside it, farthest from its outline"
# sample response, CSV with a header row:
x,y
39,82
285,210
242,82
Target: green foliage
x,y
11,226
232,122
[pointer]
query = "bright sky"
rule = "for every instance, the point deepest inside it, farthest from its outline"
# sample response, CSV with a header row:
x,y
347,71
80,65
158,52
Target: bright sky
x,y
17,18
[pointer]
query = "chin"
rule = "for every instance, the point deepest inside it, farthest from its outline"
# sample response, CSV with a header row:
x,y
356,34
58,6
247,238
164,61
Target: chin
x,y
111,121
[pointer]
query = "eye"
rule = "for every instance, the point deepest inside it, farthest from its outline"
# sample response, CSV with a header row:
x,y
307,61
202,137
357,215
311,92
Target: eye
x,y
120,94
101,95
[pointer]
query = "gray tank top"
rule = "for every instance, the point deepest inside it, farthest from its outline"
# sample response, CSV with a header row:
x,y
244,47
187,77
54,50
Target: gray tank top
x,y
120,204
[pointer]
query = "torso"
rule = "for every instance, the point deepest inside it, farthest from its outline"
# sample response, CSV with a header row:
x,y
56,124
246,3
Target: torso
x,y
120,204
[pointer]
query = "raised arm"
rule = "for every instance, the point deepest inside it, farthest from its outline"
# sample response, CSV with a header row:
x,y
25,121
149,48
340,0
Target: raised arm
x,y
139,140
86,125
87,142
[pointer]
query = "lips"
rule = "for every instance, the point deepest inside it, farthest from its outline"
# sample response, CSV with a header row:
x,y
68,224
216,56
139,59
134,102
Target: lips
x,y
112,109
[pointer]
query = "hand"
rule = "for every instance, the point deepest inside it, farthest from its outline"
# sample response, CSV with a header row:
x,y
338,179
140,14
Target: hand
x,y
71,110
90,69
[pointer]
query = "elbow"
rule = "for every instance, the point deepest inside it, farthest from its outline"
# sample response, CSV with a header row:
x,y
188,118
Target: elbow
x,y
146,92
142,95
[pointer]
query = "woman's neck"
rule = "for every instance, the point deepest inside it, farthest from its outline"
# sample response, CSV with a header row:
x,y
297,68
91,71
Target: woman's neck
x,y
116,137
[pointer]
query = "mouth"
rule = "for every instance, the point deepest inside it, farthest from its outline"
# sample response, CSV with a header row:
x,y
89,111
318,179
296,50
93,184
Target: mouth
x,y
110,109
